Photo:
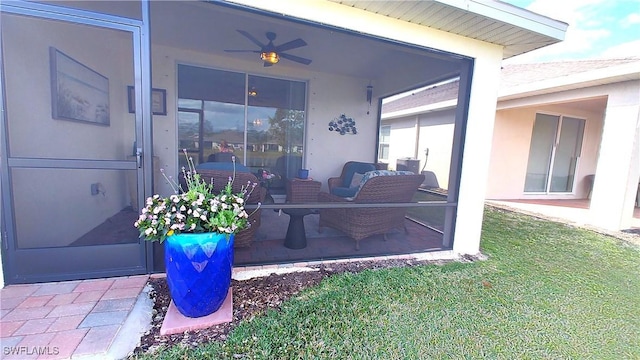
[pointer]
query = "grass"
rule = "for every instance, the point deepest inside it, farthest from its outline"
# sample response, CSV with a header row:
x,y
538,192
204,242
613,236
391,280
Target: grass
x,y
547,291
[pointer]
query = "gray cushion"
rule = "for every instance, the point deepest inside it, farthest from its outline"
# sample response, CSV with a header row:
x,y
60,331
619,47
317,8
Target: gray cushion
x,y
355,180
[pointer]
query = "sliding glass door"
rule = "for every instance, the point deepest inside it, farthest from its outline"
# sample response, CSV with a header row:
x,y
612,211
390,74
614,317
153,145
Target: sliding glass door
x,y
554,152
275,115
261,120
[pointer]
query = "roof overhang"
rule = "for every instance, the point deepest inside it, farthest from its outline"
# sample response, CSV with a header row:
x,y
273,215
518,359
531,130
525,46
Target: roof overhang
x,y
602,76
516,29
440,106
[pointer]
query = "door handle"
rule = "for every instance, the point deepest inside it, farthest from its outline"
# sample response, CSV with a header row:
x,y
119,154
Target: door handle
x,y
139,157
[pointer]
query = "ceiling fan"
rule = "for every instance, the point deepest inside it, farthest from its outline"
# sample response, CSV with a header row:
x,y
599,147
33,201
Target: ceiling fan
x,y
271,54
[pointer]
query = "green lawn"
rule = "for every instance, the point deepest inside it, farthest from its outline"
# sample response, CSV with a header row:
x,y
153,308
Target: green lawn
x,y
547,291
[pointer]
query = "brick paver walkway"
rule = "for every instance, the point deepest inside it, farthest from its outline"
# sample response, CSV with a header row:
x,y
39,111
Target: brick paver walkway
x,y
65,319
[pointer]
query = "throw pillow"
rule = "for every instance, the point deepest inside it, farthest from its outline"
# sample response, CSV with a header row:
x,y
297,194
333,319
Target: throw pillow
x,y
356,179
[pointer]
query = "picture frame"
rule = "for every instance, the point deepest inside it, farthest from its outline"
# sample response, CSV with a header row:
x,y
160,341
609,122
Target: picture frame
x,y
78,93
158,100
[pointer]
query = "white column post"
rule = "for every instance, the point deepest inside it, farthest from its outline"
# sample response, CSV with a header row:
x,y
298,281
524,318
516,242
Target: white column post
x,y
477,154
618,168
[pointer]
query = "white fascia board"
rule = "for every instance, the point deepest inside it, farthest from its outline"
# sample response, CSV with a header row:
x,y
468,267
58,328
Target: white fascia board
x,y
624,72
443,105
512,15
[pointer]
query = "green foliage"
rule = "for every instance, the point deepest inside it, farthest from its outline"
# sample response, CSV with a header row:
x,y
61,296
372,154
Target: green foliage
x,y
287,127
194,210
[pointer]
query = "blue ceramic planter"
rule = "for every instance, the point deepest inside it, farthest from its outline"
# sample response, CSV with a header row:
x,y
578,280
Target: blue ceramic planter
x,y
198,268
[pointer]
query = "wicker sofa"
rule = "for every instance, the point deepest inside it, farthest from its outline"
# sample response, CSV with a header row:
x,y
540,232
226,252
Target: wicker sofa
x,y
379,186
220,178
342,185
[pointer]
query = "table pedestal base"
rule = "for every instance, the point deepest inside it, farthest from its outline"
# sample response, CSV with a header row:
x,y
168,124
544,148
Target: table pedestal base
x,y
296,237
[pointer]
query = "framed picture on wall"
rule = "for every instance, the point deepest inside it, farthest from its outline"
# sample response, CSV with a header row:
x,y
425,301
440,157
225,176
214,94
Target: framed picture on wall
x,y
158,101
78,93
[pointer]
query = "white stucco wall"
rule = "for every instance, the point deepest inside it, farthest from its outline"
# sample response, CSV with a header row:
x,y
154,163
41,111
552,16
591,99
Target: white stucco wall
x,y
53,195
436,134
510,150
402,140
434,131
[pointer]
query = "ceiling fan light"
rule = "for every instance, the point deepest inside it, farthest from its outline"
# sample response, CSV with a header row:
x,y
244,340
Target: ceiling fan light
x,y
270,57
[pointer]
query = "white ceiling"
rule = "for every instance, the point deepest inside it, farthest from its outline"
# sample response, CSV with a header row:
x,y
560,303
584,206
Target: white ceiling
x,y
213,28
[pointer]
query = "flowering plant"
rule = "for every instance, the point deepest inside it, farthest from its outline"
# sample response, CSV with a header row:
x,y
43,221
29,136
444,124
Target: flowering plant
x,y
196,209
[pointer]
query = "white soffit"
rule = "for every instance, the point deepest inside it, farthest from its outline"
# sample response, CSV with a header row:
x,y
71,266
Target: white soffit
x,y
517,29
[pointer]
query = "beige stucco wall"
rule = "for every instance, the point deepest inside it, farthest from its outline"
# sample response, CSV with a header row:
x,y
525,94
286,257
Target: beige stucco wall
x,y
510,150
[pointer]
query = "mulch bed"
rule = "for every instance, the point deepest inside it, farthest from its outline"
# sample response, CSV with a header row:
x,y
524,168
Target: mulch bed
x,y
250,298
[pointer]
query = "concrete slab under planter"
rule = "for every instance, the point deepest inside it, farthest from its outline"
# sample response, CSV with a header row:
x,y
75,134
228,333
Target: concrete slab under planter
x,y
174,322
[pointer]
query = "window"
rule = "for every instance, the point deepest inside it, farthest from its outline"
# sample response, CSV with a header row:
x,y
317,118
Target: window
x,y
554,152
383,144
260,119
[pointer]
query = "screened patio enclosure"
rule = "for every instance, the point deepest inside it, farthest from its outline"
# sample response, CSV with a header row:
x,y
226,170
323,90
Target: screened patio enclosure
x,y
111,92
275,116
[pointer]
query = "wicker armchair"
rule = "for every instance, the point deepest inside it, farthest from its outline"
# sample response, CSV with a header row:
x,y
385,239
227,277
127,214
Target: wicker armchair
x,y
359,223
220,178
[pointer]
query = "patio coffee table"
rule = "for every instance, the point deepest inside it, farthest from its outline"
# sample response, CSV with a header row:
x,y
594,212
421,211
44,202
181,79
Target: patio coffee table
x,y
296,237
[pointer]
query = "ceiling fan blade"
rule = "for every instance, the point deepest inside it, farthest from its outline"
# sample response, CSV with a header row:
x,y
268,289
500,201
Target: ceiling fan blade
x,y
295,58
293,44
250,37
251,51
